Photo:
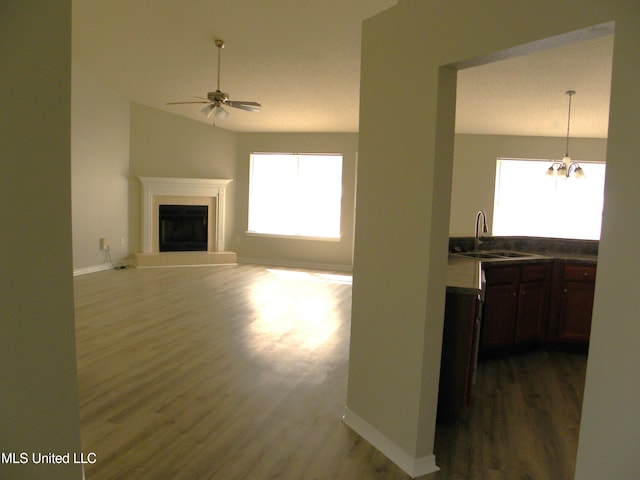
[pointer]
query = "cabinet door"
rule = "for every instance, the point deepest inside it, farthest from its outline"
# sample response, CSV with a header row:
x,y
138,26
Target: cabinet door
x,y
531,311
458,354
576,307
498,325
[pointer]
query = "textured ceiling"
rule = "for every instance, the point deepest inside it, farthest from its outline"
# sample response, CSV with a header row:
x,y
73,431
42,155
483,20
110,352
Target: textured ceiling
x,y
526,95
301,61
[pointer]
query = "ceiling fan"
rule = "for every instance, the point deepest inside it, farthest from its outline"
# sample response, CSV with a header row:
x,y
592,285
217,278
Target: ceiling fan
x,y
216,100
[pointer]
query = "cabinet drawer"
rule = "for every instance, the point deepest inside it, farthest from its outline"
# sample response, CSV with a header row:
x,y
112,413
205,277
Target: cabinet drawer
x,y
585,273
533,273
501,275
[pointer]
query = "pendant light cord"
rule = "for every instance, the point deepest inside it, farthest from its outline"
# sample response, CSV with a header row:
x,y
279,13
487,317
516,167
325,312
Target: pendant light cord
x,y
570,93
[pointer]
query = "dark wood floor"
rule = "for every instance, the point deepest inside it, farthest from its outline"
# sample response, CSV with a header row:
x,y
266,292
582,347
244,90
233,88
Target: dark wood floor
x,y
523,421
240,372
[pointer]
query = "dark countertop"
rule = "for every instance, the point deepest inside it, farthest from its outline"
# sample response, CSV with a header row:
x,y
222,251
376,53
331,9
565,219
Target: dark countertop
x,y
586,259
464,274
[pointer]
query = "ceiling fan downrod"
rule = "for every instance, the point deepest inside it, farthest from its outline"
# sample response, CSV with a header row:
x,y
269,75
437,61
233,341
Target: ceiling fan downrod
x,y
220,45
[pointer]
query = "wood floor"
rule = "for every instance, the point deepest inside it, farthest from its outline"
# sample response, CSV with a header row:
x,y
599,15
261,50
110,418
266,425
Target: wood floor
x,y
240,372
522,423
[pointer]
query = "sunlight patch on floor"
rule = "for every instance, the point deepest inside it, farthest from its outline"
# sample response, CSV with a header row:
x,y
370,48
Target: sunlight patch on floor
x,y
294,313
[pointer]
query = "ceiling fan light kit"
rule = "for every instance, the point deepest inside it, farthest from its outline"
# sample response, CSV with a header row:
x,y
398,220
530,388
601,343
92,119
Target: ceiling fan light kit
x,y
217,99
221,113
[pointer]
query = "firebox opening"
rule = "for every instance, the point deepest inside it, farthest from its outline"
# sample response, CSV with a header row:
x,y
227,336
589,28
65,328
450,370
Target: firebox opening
x,y
183,228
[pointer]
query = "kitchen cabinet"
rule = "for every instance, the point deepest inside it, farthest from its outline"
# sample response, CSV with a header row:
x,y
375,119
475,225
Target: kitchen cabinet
x,y
515,305
459,353
500,307
532,303
572,302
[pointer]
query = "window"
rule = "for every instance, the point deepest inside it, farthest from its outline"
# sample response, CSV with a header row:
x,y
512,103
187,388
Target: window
x,y
295,194
529,203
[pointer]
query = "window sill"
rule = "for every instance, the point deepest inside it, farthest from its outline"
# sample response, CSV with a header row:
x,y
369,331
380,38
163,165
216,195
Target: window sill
x,y
293,237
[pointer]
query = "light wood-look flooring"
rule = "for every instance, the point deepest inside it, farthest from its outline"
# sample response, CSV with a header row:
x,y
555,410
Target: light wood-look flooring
x,y
225,372
240,372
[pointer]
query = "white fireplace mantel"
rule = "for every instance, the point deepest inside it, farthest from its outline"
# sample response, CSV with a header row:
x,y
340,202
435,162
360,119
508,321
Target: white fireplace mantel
x,y
181,187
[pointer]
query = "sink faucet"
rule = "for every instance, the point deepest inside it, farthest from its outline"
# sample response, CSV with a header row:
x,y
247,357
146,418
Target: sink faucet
x,y
480,216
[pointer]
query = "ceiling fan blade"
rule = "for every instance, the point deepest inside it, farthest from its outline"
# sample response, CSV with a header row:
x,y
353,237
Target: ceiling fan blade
x,y
183,103
244,102
242,105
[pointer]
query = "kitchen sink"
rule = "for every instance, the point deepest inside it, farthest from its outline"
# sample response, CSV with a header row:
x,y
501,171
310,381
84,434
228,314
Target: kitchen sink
x,y
508,253
478,255
489,254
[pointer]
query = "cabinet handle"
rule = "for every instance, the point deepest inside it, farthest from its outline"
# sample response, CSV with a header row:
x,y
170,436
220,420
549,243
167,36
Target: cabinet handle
x,y
565,290
585,274
524,292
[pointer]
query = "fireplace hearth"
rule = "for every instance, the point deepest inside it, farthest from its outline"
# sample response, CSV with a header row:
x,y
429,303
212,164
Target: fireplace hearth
x,y
182,228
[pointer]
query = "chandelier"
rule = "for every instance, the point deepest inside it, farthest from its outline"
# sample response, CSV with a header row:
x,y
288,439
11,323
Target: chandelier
x,y
565,167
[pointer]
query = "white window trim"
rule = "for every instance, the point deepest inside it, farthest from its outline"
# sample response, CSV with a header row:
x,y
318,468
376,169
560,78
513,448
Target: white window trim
x,y
293,237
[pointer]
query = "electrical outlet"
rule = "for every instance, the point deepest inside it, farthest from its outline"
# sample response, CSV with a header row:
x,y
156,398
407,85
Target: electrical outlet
x,y
104,244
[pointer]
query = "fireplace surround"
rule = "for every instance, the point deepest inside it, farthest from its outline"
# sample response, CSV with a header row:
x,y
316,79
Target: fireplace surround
x,y
203,192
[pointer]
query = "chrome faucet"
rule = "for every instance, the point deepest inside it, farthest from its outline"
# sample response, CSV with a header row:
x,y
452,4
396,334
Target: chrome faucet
x,y
480,216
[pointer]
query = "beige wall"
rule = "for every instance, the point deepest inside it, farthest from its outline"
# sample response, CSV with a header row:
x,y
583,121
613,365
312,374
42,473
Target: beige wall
x,y
38,386
474,169
163,144
609,433
297,251
166,145
100,175
404,148
100,171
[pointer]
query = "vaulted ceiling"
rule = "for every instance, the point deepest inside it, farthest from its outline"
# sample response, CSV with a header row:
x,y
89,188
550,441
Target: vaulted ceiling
x,y
301,61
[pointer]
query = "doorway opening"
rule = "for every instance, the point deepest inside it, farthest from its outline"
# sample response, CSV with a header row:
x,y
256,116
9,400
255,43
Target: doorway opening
x,y
515,396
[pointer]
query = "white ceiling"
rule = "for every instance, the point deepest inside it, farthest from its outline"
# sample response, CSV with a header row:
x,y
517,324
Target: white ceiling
x,y
301,61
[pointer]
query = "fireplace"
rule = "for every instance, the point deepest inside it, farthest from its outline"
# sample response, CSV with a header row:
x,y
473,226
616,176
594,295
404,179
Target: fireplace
x,y
183,222
201,192
182,228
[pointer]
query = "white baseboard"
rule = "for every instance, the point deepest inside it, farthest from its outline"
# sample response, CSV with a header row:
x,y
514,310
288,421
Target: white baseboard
x,y
92,269
414,467
296,264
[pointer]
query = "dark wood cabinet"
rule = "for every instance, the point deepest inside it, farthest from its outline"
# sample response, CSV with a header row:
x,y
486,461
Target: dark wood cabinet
x,y
531,312
457,365
515,305
572,302
532,303
500,308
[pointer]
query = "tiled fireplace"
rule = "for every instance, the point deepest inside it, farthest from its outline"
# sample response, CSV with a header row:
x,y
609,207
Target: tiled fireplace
x,y
203,192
